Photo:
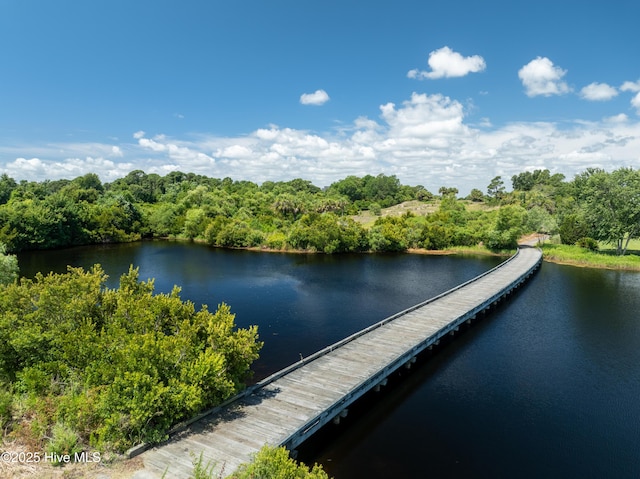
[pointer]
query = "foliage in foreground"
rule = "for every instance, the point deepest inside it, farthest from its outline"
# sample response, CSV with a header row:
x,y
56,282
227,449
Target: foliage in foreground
x,y
86,365
8,266
268,463
275,463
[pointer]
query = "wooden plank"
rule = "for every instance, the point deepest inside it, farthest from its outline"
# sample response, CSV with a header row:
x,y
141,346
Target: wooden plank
x,y
297,405
314,388
340,377
308,389
351,367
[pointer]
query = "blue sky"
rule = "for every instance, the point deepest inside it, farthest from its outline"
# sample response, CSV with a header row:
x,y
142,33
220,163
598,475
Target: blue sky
x,y
437,93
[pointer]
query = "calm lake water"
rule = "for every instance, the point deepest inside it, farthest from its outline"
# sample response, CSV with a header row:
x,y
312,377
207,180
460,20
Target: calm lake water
x,y
548,385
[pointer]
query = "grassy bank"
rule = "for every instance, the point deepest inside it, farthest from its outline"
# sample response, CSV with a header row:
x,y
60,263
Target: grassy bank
x,y
576,256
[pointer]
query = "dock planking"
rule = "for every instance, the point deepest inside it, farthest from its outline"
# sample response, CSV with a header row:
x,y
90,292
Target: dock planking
x,y
292,404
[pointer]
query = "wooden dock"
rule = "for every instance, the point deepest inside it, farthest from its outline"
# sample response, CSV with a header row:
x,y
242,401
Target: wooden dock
x,y
292,404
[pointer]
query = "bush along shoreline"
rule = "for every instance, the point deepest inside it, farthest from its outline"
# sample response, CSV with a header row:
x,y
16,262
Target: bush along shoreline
x,y
84,367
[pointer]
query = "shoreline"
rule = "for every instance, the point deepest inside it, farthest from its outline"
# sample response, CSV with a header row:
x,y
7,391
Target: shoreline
x,y
582,264
470,251
444,252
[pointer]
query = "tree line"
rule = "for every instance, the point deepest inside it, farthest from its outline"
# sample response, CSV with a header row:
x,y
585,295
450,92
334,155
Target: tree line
x,y
596,206
297,215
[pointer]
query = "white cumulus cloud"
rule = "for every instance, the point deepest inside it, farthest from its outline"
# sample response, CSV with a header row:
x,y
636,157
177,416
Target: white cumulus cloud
x,y
426,139
635,102
598,92
36,169
318,97
542,77
631,86
445,63
424,117
116,151
619,118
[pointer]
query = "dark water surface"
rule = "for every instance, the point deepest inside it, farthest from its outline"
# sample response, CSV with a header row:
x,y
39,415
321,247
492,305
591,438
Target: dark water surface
x,y
548,385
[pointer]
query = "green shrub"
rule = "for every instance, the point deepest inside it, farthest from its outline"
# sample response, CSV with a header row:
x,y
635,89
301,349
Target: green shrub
x,y
588,243
572,227
6,408
63,441
388,234
115,366
275,463
501,240
328,233
200,469
214,228
236,234
276,240
437,236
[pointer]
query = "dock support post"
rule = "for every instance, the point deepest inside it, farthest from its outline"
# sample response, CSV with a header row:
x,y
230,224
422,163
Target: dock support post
x,y
380,384
341,414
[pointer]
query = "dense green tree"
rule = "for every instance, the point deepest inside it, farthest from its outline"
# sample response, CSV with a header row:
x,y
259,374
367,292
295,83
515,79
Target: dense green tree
x,y
612,205
331,203
90,181
8,266
351,187
165,219
451,210
495,190
375,209
573,227
511,217
422,194
509,226
299,185
116,366
237,234
117,218
476,195
539,220
528,180
7,185
327,233
382,189
447,191
388,234
195,223
289,205
501,240
144,188
437,235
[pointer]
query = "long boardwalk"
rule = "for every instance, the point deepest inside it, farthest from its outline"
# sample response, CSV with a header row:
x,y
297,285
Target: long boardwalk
x,y
289,406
